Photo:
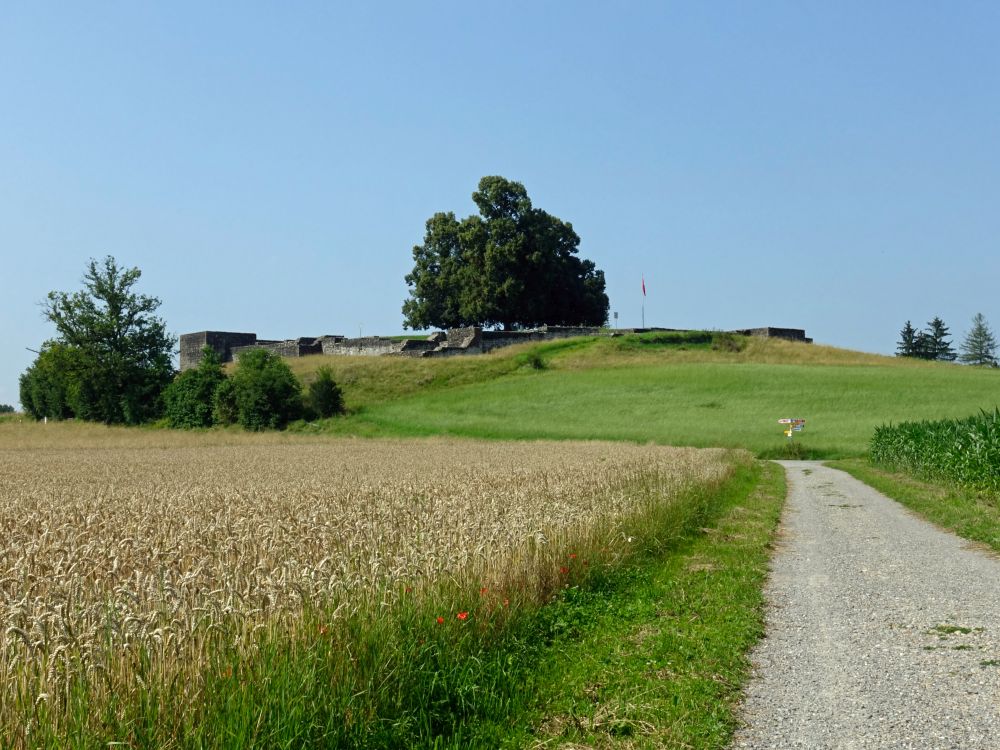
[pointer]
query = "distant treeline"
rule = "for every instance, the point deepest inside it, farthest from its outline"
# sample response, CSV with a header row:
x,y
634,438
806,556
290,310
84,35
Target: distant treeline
x,y
966,451
978,348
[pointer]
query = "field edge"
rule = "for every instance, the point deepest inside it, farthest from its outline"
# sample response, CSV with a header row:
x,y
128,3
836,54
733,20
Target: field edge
x,y
667,656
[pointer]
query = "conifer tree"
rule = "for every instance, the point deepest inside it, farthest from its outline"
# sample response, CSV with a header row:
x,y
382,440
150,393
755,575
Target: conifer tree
x,y
939,346
907,344
923,346
980,346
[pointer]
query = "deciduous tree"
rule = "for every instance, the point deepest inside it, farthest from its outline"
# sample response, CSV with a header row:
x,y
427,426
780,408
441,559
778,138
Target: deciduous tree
x,y
189,400
50,388
511,266
119,349
265,392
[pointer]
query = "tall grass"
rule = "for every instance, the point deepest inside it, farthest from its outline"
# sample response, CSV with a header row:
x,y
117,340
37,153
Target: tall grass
x,y
966,451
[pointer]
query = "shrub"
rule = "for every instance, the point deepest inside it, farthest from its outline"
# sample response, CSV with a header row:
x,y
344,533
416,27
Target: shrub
x,y
535,361
190,398
723,341
325,397
50,388
224,409
267,394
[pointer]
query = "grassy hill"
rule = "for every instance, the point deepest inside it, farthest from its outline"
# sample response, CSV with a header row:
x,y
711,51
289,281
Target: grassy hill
x,y
672,389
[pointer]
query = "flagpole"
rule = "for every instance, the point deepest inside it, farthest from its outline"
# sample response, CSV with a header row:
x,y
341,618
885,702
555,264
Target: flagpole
x,y
644,300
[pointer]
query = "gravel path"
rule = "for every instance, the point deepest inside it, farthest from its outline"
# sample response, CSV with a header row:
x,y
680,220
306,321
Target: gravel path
x,y
882,631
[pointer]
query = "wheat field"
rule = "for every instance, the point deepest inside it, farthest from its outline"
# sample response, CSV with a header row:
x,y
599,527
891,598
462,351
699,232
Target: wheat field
x,y
124,546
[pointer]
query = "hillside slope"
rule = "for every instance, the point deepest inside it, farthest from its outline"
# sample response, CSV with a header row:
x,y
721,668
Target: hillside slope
x,y
657,388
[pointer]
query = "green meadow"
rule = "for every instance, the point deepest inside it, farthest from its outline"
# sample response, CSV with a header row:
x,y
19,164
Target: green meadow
x,y
671,392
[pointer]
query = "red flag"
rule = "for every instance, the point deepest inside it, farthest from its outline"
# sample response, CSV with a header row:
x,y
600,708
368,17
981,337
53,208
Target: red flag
x,y
644,285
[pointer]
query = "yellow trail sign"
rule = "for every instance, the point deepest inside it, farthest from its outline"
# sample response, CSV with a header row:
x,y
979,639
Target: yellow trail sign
x,y
792,425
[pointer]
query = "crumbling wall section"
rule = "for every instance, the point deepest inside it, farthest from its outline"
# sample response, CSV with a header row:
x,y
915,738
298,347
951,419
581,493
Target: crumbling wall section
x,y
365,346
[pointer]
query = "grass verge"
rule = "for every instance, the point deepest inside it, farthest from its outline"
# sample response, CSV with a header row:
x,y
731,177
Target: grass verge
x,y
660,649
971,514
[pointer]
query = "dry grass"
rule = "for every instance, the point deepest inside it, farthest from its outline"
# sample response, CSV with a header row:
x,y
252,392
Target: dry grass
x,y
123,542
757,350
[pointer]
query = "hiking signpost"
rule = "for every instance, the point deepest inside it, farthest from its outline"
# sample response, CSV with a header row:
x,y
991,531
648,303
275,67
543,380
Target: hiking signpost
x,y
792,426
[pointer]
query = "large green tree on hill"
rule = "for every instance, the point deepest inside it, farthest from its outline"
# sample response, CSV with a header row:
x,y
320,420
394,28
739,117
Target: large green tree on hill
x,y
512,266
110,360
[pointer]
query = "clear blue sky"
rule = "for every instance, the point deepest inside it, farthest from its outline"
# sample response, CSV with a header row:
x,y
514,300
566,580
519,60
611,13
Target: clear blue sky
x,y
828,166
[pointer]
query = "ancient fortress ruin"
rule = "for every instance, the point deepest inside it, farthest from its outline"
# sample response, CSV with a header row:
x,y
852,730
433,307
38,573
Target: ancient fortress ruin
x,y
455,341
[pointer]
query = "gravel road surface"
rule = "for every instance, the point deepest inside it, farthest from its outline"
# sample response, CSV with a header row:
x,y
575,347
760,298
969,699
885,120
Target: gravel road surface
x,y
882,631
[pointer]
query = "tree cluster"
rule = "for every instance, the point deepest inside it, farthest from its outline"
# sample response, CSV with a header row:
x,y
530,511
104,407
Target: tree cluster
x,y
262,393
512,266
978,348
111,363
6,409
931,343
110,359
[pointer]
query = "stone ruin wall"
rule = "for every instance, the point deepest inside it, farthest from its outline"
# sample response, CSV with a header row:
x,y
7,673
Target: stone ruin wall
x,y
222,342
454,342
291,348
375,346
793,334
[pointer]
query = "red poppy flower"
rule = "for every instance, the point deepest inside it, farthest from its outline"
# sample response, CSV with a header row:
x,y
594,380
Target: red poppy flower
x,y
409,589
440,621
564,571
462,615
572,555
483,590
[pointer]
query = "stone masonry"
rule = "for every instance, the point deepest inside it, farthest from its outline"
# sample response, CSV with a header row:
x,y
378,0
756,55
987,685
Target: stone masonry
x,y
456,341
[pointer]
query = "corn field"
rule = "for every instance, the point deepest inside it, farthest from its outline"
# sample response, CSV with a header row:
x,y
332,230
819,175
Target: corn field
x,y
126,566
961,450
